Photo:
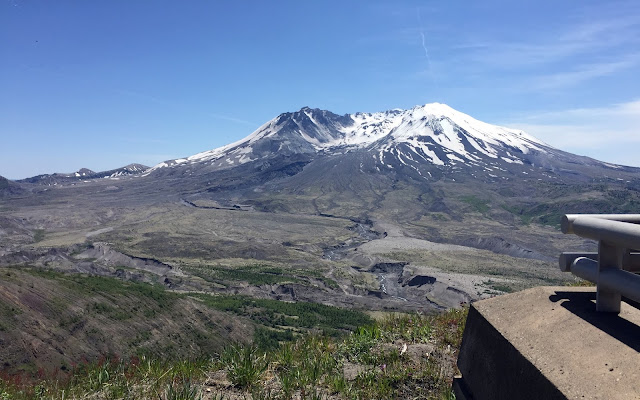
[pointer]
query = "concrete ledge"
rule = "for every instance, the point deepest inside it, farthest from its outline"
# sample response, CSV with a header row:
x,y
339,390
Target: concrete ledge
x,y
549,343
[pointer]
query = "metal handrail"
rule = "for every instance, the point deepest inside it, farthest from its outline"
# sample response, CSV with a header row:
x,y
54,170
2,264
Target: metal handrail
x,y
567,220
612,268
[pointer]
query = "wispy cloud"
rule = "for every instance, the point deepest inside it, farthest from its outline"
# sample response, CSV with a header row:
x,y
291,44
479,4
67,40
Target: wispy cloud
x,y
551,46
579,75
594,42
608,133
626,110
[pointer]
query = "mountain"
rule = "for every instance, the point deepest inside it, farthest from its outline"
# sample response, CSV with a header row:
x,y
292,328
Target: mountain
x,y
431,171
423,141
84,174
418,167
345,164
428,160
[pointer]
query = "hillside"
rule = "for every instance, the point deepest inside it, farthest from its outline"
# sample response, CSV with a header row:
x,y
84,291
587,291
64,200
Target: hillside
x,y
52,321
393,358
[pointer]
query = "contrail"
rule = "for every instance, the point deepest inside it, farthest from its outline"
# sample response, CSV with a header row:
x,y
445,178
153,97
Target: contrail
x,y
426,52
424,41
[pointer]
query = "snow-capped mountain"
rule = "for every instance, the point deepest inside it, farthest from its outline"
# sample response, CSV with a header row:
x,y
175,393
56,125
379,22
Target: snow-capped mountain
x,y
432,135
427,142
85,174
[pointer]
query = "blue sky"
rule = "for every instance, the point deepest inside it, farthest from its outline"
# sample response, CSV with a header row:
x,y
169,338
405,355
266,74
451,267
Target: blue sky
x,y
101,84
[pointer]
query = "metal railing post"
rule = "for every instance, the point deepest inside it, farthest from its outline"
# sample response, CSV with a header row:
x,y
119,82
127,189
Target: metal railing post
x,y
609,257
615,269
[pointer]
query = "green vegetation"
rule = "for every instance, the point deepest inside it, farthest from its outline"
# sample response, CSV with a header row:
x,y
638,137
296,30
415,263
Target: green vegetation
x,y
100,315
581,283
110,311
266,338
281,315
498,286
566,199
8,316
371,363
519,212
111,378
38,235
155,297
479,205
244,364
257,274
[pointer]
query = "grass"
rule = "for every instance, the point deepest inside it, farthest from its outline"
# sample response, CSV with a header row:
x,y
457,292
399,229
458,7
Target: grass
x,y
38,235
283,315
257,274
581,283
156,297
498,286
477,204
311,367
245,364
252,274
111,378
299,349
94,309
88,316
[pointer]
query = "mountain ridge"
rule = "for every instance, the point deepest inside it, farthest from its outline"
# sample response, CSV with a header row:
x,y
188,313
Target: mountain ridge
x,y
424,143
426,139
422,128
84,174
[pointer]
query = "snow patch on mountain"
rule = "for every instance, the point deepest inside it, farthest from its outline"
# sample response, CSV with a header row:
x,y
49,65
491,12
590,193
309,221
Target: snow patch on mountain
x,y
435,133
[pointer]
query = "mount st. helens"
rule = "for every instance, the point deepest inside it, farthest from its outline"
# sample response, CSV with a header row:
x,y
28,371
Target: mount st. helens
x,y
406,165
424,140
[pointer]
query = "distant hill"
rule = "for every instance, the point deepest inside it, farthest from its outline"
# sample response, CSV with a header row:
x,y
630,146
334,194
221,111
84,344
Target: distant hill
x,y
9,188
84,174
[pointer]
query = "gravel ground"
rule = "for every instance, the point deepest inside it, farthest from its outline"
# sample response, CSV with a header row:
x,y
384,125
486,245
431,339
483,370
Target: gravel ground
x,y
450,288
401,243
